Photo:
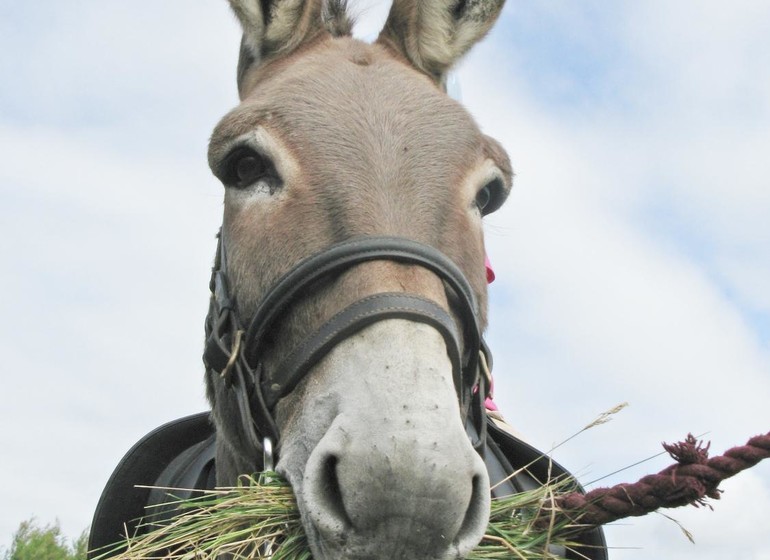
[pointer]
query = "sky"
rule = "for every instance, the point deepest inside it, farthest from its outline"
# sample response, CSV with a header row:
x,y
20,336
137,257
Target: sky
x,y
632,259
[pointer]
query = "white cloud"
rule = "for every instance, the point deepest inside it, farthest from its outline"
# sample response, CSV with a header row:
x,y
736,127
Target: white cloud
x,y
750,276
103,308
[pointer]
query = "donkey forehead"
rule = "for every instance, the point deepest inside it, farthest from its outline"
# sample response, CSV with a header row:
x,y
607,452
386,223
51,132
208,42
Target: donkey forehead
x,y
349,101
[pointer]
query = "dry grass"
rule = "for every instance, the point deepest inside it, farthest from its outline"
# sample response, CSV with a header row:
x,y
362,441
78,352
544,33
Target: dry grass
x,y
259,519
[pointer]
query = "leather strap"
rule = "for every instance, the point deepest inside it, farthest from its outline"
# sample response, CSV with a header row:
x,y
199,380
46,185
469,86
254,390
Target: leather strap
x,y
354,318
345,255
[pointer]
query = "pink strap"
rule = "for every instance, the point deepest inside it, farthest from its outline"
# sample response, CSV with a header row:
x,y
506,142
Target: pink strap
x,y
490,272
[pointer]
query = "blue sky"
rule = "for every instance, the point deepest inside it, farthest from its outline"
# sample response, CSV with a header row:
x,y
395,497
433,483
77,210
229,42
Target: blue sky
x,y
633,258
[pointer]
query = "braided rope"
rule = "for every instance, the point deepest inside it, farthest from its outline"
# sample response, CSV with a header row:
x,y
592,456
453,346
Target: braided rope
x,y
691,480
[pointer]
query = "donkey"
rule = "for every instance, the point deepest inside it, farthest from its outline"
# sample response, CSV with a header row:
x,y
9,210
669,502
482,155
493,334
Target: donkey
x,y
343,340
337,140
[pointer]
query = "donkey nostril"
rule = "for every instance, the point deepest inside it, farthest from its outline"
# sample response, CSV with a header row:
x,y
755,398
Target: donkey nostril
x,y
476,516
326,496
333,489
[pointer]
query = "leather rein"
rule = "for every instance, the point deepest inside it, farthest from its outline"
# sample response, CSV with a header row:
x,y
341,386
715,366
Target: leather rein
x,y
233,350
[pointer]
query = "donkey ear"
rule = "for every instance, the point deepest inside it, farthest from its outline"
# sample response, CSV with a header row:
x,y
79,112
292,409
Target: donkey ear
x,y
273,28
434,34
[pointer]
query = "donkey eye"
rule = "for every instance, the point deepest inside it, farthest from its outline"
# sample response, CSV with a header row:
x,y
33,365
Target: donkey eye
x,y
483,198
249,168
245,167
489,198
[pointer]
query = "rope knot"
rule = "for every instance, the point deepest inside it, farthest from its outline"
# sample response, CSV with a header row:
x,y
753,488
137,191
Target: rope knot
x,y
688,452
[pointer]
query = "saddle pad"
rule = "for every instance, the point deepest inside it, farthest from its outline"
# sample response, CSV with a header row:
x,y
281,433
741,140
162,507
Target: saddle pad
x,y
122,503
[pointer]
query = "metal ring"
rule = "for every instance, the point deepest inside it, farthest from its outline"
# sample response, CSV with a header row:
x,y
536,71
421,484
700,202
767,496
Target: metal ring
x,y
268,457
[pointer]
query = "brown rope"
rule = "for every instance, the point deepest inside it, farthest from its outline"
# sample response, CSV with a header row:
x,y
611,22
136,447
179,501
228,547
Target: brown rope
x,y
691,480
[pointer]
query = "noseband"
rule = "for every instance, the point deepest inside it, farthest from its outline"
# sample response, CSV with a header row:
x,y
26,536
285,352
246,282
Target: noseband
x,y
234,353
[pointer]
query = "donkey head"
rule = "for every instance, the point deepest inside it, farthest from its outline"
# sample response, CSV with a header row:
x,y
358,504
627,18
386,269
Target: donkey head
x,y
336,139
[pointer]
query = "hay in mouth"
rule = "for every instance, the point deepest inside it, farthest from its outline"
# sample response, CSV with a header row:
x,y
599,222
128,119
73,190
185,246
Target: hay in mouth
x,y
259,519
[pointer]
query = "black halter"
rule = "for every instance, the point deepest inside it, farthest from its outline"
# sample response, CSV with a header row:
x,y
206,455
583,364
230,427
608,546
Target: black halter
x,y
234,353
